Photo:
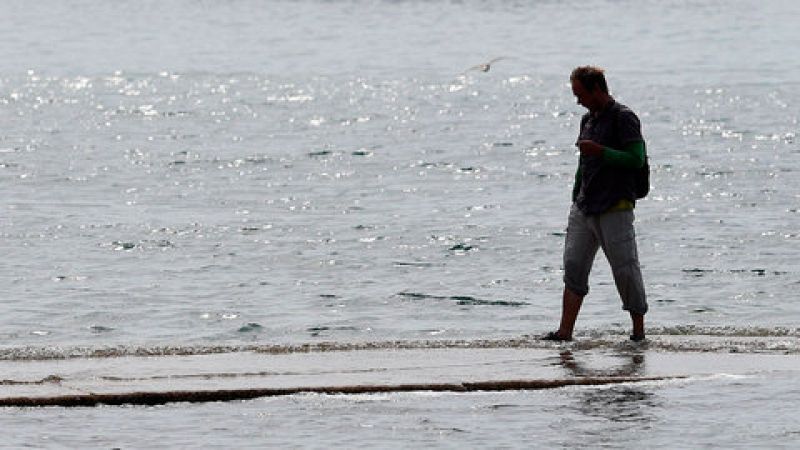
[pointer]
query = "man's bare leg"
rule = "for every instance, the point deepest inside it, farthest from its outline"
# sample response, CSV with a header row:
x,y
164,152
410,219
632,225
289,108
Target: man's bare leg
x,y
570,307
638,326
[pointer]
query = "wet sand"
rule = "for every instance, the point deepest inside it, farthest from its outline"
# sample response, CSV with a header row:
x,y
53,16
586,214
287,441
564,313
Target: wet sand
x,y
250,374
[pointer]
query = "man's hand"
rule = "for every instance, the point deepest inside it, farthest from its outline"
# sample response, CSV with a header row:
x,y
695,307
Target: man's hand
x,y
590,148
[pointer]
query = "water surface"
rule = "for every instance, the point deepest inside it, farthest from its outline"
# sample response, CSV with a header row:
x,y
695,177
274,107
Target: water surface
x,y
233,173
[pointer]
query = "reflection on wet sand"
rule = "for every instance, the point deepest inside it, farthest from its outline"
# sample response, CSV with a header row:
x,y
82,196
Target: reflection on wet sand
x,y
633,365
621,403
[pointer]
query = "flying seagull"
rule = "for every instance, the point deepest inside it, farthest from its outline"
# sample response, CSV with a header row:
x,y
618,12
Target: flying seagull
x,y
485,66
461,80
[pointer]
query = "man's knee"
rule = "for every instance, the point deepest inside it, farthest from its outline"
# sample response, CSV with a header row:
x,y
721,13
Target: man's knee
x,y
631,288
576,275
638,307
576,285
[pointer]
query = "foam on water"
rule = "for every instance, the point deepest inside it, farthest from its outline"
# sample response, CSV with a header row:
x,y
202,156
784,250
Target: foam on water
x,y
677,339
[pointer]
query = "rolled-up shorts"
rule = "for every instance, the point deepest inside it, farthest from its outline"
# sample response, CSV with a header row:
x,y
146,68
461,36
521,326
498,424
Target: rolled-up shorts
x,y
614,233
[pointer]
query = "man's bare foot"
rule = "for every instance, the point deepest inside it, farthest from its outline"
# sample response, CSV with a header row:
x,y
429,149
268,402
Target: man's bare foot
x,y
555,336
637,337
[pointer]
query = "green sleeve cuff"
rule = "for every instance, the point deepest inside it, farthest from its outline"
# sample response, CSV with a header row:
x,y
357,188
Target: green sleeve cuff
x,y
576,187
631,157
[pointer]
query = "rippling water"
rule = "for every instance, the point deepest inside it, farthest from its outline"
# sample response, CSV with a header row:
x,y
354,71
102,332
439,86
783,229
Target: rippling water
x,y
658,414
229,173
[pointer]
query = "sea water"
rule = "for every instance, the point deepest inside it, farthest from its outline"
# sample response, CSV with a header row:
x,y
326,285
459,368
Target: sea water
x,y
205,174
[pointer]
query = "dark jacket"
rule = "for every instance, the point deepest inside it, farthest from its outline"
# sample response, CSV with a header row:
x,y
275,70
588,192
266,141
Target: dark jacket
x,y
601,185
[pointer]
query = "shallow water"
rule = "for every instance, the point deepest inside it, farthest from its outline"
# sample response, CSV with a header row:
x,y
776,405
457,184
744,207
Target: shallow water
x,y
242,173
724,411
166,199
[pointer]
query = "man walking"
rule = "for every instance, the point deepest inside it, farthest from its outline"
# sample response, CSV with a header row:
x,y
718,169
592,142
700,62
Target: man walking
x,y
612,149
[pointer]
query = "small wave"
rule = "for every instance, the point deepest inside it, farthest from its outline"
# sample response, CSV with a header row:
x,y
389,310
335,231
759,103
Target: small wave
x,y
52,379
196,396
688,338
461,299
730,331
758,271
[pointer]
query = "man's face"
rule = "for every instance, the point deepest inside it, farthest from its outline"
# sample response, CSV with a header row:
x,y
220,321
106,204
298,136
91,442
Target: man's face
x,y
585,98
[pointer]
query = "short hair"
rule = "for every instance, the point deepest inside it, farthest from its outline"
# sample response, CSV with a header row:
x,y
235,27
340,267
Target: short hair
x,y
590,77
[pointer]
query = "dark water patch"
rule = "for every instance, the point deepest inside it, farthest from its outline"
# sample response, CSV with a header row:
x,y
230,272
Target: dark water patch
x,y
481,207
715,173
129,245
121,245
189,159
258,159
620,404
502,144
176,113
464,300
428,424
432,165
250,327
316,331
412,264
696,271
251,229
462,248
478,302
60,278
99,329
503,406
416,295
759,272
320,153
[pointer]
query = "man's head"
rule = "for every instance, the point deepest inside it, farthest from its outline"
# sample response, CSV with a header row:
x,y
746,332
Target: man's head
x,y
590,88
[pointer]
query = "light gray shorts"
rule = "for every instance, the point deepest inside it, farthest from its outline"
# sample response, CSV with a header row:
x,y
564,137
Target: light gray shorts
x,y
614,233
